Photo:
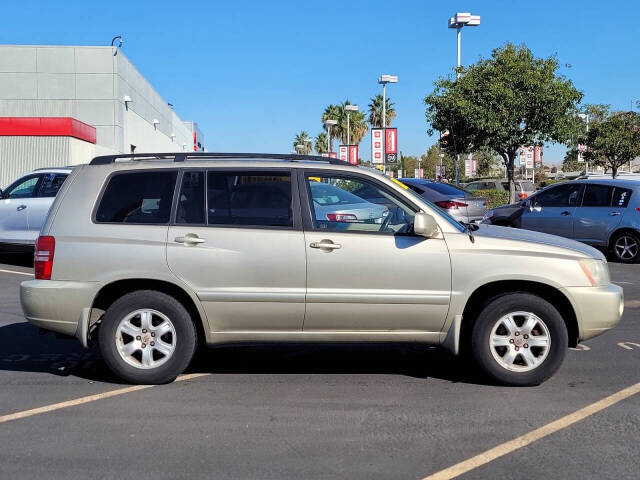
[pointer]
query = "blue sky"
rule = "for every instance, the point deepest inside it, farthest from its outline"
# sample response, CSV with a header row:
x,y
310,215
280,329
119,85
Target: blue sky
x,y
254,73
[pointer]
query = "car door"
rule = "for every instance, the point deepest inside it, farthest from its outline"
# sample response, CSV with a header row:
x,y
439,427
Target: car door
x,y
237,241
16,201
596,218
370,275
553,210
37,212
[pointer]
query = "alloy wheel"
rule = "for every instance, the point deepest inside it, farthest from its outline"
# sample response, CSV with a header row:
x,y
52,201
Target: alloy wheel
x,y
146,338
626,247
520,341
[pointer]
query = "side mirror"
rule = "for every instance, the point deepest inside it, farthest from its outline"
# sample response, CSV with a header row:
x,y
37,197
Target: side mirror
x,y
425,225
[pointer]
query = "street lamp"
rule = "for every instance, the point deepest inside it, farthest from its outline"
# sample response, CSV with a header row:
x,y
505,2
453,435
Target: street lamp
x,y
349,109
328,123
585,118
299,148
383,80
460,20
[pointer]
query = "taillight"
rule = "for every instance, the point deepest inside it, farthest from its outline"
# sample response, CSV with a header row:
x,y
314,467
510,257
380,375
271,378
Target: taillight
x,y
341,217
43,257
522,196
449,204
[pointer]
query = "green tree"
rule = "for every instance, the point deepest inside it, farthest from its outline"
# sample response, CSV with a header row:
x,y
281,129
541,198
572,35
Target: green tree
x,y
503,102
409,165
331,112
357,125
375,111
429,160
302,143
321,143
570,162
614,141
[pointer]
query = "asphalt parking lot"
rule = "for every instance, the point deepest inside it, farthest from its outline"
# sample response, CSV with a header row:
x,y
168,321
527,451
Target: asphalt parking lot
x,y
349,411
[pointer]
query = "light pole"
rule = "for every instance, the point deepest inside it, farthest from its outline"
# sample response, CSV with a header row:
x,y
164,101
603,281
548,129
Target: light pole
x,y
349,109
328,123
383,80
585,117
458,21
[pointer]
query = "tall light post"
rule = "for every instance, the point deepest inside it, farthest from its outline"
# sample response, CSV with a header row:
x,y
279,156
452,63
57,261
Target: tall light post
x,y
349,109
383,80
585,117
328,123
458,21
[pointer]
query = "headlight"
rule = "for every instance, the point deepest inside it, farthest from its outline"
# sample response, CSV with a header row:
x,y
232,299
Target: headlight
x,y
487,215
596,271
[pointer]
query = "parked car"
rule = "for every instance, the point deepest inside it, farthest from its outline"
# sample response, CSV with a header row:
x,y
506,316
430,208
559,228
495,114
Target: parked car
x,y
524,188
460,204
146,258
24,206
599,212
333,204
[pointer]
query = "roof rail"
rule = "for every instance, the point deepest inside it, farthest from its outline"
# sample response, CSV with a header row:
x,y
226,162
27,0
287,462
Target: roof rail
x,y
184,156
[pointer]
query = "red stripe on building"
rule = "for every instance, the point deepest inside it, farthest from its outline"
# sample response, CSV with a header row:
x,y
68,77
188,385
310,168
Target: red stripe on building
x,y
47,127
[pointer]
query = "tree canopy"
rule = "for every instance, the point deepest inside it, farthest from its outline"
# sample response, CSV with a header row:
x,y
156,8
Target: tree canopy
x,y
302,143
503,102
614,141
375,111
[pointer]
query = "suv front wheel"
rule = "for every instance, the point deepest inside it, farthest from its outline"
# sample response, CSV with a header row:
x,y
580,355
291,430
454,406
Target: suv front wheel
x,y
519,339
147,337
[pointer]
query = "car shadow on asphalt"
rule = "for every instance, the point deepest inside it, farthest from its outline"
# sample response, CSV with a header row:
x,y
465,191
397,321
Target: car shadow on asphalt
x,y
18,259
24,349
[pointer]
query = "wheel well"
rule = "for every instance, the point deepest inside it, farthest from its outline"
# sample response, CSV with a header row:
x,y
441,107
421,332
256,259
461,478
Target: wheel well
x,y
488,292
113,291
619,231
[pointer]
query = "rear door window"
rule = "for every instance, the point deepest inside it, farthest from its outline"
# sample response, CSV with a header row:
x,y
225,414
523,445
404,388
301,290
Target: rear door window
x,y
621,197
138,197
260,199
566,195
51,183
597,196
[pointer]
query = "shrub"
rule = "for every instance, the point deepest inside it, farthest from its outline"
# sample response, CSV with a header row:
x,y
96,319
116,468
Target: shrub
x,y
495,198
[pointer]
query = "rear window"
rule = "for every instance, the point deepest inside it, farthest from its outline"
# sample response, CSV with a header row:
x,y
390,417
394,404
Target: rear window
x,y
138,197
445,189
325,194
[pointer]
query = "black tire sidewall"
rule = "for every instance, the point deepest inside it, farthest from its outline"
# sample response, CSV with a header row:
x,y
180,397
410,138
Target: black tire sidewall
x,y
185,337
615,253
500,306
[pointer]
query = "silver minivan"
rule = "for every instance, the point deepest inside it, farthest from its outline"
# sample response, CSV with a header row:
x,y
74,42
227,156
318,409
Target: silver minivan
x,y
151,255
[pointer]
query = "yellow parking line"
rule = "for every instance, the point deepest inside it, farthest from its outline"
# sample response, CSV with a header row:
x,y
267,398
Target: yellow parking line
x,y
87,399
17,273
524,440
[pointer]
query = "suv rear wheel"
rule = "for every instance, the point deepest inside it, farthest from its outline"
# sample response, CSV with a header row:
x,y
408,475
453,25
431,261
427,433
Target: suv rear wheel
x,y
147,337
519,339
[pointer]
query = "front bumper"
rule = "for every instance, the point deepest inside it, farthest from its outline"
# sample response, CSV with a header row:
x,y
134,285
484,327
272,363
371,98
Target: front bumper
x,y
598,309
58,306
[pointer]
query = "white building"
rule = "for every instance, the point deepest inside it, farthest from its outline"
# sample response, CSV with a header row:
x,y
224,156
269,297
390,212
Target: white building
x,y
64,105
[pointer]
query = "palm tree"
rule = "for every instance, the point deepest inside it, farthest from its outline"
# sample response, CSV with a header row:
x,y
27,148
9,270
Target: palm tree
x,y
375,111
302,143
321,143
332,112
357,125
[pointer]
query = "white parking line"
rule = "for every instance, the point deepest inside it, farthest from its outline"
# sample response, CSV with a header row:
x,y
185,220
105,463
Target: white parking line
x,y
524,440
87,399
17,273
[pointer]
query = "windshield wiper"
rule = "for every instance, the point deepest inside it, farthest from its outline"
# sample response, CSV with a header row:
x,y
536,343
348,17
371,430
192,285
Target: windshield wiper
x,y
469,228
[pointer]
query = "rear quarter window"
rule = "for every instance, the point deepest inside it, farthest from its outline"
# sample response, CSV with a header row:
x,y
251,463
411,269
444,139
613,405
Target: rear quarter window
x,y
621,197
138,197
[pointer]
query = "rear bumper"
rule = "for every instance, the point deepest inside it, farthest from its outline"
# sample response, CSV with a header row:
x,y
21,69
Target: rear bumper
x,y
58,306
598,309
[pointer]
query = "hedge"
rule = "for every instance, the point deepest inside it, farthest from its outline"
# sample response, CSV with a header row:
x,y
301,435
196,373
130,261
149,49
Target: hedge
x,y
495,198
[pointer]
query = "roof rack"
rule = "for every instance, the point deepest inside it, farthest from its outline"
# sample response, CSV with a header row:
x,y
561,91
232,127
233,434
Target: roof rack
x,y
184,156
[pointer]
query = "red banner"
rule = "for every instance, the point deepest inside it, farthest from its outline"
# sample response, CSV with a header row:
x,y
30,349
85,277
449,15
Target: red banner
x,y
391,140
353,154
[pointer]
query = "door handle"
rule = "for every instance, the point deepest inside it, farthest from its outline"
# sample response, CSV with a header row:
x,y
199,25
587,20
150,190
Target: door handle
x,y
614,214
325,245
565,213
190,239
21,207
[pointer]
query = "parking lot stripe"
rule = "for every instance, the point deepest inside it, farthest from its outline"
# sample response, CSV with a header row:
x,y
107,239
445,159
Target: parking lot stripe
x,y
524,440
87,399
17,273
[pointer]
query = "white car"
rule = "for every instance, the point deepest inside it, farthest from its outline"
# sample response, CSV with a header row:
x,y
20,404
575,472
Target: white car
x,y
24,206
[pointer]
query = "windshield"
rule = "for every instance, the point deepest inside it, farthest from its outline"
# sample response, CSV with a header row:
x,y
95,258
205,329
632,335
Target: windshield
x,y
444,214
324,194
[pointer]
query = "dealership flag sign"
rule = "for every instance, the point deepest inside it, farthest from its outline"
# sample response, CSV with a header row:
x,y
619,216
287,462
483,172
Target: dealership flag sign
x,y
377,151
344,153
391,145
353,154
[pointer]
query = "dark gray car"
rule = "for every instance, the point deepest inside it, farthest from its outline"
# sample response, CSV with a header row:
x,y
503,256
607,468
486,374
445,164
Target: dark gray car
x,y
600,212
460,204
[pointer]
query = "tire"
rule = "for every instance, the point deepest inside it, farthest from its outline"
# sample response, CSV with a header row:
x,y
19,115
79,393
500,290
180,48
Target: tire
x,y
153,355
625,247
502,349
